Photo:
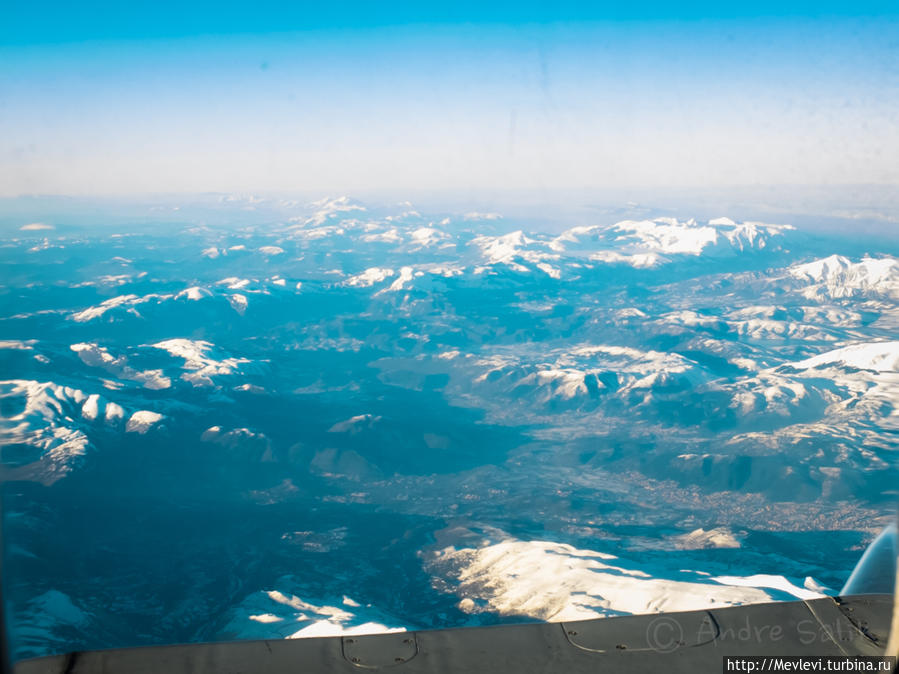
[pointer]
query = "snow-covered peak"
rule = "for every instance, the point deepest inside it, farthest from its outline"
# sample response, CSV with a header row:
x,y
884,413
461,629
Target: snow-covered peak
x,y
667,236
200,360
95,355
369,277
502,248
142,421
277,614
558,582
271,250
749,235
48,423
193,293
823,269
95,312
670,236
646,243
403,280
428,236
327,209
837,276
875,356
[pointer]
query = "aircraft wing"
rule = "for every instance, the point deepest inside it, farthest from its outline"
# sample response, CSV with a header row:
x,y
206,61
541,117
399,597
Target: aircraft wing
x,y
688,642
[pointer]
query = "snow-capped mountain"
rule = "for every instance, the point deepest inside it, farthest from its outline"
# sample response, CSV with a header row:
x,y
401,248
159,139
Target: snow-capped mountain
x,y
46,427
360,417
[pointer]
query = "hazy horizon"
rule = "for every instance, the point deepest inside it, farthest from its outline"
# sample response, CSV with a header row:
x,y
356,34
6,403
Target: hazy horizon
x,y
866,210
407,99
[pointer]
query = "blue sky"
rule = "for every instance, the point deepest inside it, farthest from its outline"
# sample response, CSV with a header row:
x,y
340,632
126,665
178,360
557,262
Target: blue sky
x,y
121,98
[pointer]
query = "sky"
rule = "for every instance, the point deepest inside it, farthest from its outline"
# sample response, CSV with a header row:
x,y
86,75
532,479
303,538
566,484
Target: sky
x,y
112,98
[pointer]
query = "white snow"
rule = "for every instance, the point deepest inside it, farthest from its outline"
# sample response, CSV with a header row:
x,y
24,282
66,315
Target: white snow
x,y
650,243
428,236
276,614
334,628
767,581
558,383
837,276
271,250
123,300
700,539
94,355
198,359
369,277
636,260
238,303
669,238
876,356
505,248
234,283
142,421
405,276
95,312
17,344
558,582
327,209
90,410
194,293
48,422
549,270
266,618
391,235
114,413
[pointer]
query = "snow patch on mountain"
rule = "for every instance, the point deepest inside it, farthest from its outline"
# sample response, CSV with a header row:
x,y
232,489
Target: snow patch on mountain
x,y
329,209
838,277
650,243
130,301
636,260
275,614
91,313
193,293
581,377
238,303
18,344
142,421
700,539
234,283
502,249
767,581
391,235
199,359
874,356
558,582
271,250
428,236
94,355
44,427
370,277
402,280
